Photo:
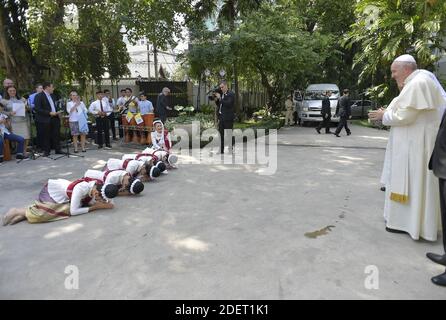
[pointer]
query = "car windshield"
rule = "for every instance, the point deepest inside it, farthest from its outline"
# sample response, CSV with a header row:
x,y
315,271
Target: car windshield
x,y
319,95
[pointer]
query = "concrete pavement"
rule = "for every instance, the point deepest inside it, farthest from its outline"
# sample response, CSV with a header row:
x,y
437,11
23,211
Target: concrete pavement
x,y
223,231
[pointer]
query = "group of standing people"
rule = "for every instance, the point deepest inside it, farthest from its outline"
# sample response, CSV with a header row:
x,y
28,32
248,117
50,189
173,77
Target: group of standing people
x,y
42,107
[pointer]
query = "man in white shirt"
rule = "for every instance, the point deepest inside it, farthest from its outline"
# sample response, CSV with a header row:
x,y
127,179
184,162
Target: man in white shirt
x,y
111,118
131,102
120,105
101,110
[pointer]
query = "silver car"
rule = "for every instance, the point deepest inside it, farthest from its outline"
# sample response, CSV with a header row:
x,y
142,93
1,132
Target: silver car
x,y
360,108
309,104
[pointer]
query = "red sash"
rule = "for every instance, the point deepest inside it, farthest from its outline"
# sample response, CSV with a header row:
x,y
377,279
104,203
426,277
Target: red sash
x,y
140,155
126,163
71,186
166,139
106,173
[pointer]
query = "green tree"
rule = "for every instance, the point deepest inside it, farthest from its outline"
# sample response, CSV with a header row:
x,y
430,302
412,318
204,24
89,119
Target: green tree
x,y
273,45
386,29
16,56
36,44
228,14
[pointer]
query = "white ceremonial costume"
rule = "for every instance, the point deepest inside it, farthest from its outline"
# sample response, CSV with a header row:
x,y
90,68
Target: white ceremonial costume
x,y
113,177
137,156
412,198
57,189
162,155
131,166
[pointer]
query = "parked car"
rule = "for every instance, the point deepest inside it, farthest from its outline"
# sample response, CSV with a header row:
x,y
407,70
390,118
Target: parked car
x,y
309,103
360,108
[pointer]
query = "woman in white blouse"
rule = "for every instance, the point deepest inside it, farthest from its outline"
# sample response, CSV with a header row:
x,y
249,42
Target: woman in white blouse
x,y
60,199
16,109
78,117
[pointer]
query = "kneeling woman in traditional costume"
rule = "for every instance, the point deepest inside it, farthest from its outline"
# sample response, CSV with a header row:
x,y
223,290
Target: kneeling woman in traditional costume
x,y
60,199
166,157
146,158
160,136
144,171
126,184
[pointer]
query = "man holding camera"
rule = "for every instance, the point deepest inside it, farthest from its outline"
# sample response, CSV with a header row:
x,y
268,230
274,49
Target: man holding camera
x,y
225,112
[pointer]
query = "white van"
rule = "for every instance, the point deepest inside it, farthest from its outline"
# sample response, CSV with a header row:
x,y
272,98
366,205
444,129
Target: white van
x,y
308,104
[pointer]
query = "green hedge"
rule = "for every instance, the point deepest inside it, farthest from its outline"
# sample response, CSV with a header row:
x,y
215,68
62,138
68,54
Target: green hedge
x,y
207,122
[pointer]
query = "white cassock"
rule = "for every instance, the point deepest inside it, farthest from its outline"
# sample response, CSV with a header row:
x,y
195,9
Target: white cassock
x,y
412,202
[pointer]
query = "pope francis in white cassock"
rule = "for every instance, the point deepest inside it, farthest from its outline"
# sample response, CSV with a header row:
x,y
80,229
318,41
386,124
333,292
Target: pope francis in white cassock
x,y
412,201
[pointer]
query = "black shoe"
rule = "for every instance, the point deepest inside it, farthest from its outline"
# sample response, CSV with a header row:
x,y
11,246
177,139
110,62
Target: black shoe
x,y
76,151
328,132
318,130
19,157
59,152
337,135
383,189
46,154
440,280
100,147
437,258
349,133
394,230
84,150
108,147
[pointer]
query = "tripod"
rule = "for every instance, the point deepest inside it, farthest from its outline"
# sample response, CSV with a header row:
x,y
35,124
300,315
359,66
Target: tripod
x,y
67,154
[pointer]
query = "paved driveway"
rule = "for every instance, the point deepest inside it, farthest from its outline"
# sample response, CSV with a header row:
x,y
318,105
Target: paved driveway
x,y
223,231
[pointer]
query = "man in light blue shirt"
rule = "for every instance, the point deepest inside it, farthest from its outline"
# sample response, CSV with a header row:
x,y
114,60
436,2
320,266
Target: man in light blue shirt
x,y
145,106
39,89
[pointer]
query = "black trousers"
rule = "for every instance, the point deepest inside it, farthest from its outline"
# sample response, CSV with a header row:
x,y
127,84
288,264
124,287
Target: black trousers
x,y
325,123
343,124
222,125
111,119
295,117
443,209
163,118
50,135
39,136
121,131
103,130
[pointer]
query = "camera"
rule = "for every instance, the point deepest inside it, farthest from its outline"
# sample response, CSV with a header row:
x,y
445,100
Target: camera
x,y
212,94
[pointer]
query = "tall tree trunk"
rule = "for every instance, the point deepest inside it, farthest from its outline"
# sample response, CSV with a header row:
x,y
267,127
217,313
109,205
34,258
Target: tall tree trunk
x,y
269,89
16,56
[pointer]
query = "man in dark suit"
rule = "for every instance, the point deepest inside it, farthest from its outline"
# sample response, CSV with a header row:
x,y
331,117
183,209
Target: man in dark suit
x,y
344,111
162,105
48,119
225,103
437,164
326,114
